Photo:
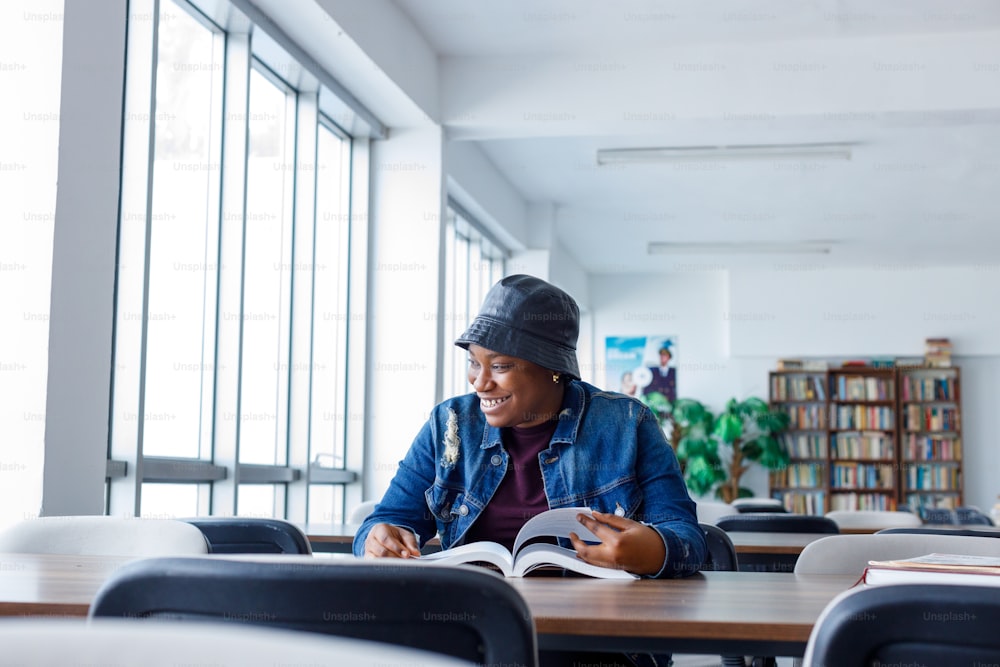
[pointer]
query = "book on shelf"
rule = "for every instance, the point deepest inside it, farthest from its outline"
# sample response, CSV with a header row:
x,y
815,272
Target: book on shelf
x,y
524,557
789,364
935,568
937,352
906,363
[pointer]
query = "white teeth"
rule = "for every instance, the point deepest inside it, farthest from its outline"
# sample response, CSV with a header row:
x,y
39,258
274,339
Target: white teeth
x,y
491,402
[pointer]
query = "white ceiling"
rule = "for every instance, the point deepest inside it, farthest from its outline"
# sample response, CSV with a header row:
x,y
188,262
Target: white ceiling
x,y
540,85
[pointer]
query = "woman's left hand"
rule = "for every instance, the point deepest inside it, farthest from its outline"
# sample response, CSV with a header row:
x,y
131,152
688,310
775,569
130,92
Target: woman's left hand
x,y
625,544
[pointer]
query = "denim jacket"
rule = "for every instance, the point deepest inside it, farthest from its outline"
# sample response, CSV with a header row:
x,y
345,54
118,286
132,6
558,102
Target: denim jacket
x,y
608,453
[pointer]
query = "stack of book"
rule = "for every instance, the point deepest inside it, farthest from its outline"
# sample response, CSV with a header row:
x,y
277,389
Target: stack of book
x,y
935,569
803,365
937,352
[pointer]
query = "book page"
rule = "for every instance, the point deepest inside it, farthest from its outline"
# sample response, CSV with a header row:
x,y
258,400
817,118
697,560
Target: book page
x,y
555,523
484,552
534,556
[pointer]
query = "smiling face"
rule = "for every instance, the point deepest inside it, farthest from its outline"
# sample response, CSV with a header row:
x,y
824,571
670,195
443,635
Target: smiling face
x,y
512,391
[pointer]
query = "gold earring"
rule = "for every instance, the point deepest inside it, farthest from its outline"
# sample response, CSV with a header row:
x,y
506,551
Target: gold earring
x,y
555,378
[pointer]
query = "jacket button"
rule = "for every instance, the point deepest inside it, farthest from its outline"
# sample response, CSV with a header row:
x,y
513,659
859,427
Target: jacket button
x,y
551,460
496,460
463,510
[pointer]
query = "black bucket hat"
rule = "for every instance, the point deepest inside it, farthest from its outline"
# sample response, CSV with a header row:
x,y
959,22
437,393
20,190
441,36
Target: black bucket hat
x,y
528,318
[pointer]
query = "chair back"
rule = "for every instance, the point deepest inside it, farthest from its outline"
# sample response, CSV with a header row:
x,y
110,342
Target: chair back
x,y
972,516
873,519
772,522
938,515
257,535
751,505
108,642
721,554
849,554
710,511
103,536
908,624
361,511
466,612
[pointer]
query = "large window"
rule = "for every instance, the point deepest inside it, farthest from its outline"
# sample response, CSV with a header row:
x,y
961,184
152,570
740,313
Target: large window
x,y
473,262
233,316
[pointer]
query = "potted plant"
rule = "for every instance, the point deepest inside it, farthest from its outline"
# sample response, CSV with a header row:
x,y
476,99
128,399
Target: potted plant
x,y
688,424
748,430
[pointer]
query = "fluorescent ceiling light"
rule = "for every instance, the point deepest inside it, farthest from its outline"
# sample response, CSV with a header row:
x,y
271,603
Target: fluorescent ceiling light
x,y
820,151
788,248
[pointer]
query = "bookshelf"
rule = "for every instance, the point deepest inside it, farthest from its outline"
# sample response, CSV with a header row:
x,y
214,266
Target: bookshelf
x,y
931,442
864,437
802,395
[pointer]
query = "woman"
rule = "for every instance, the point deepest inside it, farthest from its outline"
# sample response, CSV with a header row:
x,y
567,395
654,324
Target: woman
x,y
532,437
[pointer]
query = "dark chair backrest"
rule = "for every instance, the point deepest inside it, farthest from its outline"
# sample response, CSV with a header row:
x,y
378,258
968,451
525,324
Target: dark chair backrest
x,y
251,535
756,509
770,522
721,553
466,612
931,530
938,515
972,516
906,624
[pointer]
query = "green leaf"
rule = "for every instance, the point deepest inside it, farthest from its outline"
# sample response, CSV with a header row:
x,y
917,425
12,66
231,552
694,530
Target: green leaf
x,y
703,473
772,455
728,428
657,402
698,447
752,449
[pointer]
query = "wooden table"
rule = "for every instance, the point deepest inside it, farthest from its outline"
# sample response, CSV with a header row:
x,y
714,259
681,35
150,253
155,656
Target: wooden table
x,y
772,543
739,613
711,612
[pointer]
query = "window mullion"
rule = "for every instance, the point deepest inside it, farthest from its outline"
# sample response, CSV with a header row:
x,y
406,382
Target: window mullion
x,y
306,270
230,309
133,265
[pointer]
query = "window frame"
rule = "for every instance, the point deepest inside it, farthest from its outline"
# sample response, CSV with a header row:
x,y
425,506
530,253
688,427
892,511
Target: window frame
x,y
250,40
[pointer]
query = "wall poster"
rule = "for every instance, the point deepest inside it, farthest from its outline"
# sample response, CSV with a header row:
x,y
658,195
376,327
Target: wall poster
x,y
640,365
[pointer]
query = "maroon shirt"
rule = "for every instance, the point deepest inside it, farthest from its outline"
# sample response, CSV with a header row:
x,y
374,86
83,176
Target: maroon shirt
x,y
521,494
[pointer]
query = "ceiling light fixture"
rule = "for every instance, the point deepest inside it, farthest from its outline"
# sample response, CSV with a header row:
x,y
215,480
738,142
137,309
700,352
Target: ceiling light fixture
x,y
783,248
818,151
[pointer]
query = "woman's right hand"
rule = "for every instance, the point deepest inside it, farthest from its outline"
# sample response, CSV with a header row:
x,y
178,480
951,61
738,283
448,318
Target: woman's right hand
x,y
387,541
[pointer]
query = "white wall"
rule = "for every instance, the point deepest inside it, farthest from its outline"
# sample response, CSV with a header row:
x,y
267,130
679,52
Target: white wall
x,y
83,259
799,309
730,335
407,206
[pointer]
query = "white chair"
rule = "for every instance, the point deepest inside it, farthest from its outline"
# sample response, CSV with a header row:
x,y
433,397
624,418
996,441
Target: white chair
x,y
104,536
849,554
873,520
711,511
57,642
361,511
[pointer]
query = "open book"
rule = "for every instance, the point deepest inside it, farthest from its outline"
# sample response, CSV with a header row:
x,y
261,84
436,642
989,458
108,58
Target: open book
x,y
523,559
935,569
